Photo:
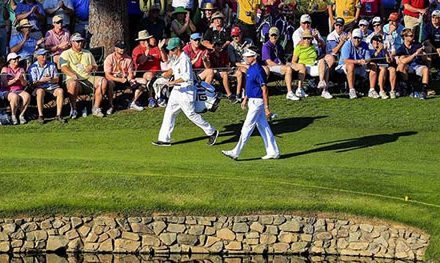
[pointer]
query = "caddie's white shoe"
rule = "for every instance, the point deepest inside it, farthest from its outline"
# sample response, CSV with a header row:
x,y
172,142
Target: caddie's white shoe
x,y
270,156
230,155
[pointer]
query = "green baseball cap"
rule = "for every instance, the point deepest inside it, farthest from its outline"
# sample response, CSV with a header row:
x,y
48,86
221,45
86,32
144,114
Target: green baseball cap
x,y
173,43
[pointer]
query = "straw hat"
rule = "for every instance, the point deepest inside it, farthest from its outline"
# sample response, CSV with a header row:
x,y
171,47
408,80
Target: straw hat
x,y
143,35
208,6
24,23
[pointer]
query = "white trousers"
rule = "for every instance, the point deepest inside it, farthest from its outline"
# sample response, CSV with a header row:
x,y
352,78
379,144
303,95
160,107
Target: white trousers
x,y
256,116
182,99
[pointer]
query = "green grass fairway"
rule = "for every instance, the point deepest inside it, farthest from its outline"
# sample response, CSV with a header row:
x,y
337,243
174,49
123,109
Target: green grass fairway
x,y
339,156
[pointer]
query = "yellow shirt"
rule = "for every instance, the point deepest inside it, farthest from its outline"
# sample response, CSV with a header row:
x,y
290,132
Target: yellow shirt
x,y
77,61
248,7
346,9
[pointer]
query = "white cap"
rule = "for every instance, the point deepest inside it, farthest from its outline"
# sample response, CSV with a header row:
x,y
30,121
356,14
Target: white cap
x,y
376,20
436,13
12,55
249,53
363,22
305,18
356,33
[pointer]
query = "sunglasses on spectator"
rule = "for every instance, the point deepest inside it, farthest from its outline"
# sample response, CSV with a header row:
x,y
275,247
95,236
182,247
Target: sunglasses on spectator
x,y
358,38
13,59
274,35
305,22
58,22
197,39
362,25
376,24
409,35
338,25
79,41
307,38
235,36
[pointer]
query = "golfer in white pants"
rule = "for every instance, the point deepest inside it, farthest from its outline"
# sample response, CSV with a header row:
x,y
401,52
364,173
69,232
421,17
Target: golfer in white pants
x,y
256,94
182,96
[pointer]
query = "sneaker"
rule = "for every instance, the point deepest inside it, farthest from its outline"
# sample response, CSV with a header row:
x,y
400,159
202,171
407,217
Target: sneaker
x,y
160,143
322,84
230,155
151,103
422,95
238,100
352,94
40,120
415,94
134,106
326,95
291,96
232,98
431,92
300,93
110,111
22,119
60,119
271,156
14,120
84,112
162,103
393,94
73,114
213,138
97,112
373,94
383,95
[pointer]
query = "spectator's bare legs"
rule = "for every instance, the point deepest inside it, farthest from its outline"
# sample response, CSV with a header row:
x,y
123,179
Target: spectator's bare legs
x,y
225,81
330,59
111,92
382,78
425,75
323,71
301,69
148,76
59,94
13,102
392,72
40,98
287,72
100,86
349,67
207,75
72,92
401,68
26,98
239,76
373,76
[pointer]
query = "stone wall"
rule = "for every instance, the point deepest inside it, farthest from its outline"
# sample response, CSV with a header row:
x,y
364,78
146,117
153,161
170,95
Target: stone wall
x,y
264,234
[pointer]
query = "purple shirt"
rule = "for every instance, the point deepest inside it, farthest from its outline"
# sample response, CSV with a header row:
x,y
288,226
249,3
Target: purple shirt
x,y
272,52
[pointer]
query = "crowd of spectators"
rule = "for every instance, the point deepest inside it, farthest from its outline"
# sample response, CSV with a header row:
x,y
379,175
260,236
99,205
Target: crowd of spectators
x,y
383,42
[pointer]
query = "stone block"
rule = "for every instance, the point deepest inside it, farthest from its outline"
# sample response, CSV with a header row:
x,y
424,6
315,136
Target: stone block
x,y
273,230
209,231
5,247
324,236
358,245
55,243
168,238
267,239
150,241
278,220
280,248
216,248
84,231
199,250
9,228
196,230
176,228
126,246
38,235
114,233
366,227
233,245
130,236
106,246
158,227
186,239
225,234
141,228
266,219
76,222
306,237
299,247
72,234
240,228
256,226
4,236
29,227
211,241
285,237
291,226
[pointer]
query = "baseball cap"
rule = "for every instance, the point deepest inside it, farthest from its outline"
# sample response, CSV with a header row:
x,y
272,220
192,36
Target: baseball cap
x,y
56,19
356,33
249,53
196,36
173,43
235,31
376,20
339,21
305,18
363,22
436,13
121,44
377,37
12,55
76,37
40,51
394,16
274,31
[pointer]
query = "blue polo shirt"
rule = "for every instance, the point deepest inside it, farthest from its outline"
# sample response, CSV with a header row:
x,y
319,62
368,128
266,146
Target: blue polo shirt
x,y
349,51
27,50
255,79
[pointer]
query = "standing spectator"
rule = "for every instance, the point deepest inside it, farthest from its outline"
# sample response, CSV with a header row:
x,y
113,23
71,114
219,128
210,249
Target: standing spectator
x,y
62,8
318,13
182,26
349,10
217,32
44,78
207,10
13,82
371,8
412,11
199,58
272,54
335,41
4,15
247,17
153,23
393,33
81,17
32,11
78,64
353,60
432,40
57,39
24,43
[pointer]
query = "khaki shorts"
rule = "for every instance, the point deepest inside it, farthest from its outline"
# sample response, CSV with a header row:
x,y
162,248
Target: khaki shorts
x,y
87,86
411,22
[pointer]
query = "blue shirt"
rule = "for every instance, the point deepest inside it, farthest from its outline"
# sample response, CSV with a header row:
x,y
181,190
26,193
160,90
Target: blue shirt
x,y
348,51
255,79
81,8
23,7
48,70
27,50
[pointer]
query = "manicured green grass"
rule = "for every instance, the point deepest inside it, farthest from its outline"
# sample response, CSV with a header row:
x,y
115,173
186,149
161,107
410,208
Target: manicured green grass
x,y
345,157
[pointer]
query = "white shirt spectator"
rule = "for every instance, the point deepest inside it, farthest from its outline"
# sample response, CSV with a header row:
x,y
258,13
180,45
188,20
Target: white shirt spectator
x,y
188,4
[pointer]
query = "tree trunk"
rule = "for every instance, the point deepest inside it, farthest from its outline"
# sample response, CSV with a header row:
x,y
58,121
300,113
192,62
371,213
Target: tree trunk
x,y
108,21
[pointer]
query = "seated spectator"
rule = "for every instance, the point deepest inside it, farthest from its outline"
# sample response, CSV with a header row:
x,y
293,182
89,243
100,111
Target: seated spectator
x,y
377,30
217,32
205,22
335,41
235,55
220,64
363,26
393,33
79,66
153,23
44,79
147,57
272,54
24,43
371,8
61,8
306,24
57,39
182,26
119,72
353,60
432,39
13,82
409,60
382,63
33,11
199,58
305,61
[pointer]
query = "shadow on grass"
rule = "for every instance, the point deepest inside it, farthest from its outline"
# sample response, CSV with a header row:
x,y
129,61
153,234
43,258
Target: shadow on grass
x,y
353,144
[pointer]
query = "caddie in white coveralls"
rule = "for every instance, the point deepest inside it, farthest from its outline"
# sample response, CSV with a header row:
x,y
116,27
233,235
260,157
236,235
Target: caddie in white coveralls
x,y
182,97
257,95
